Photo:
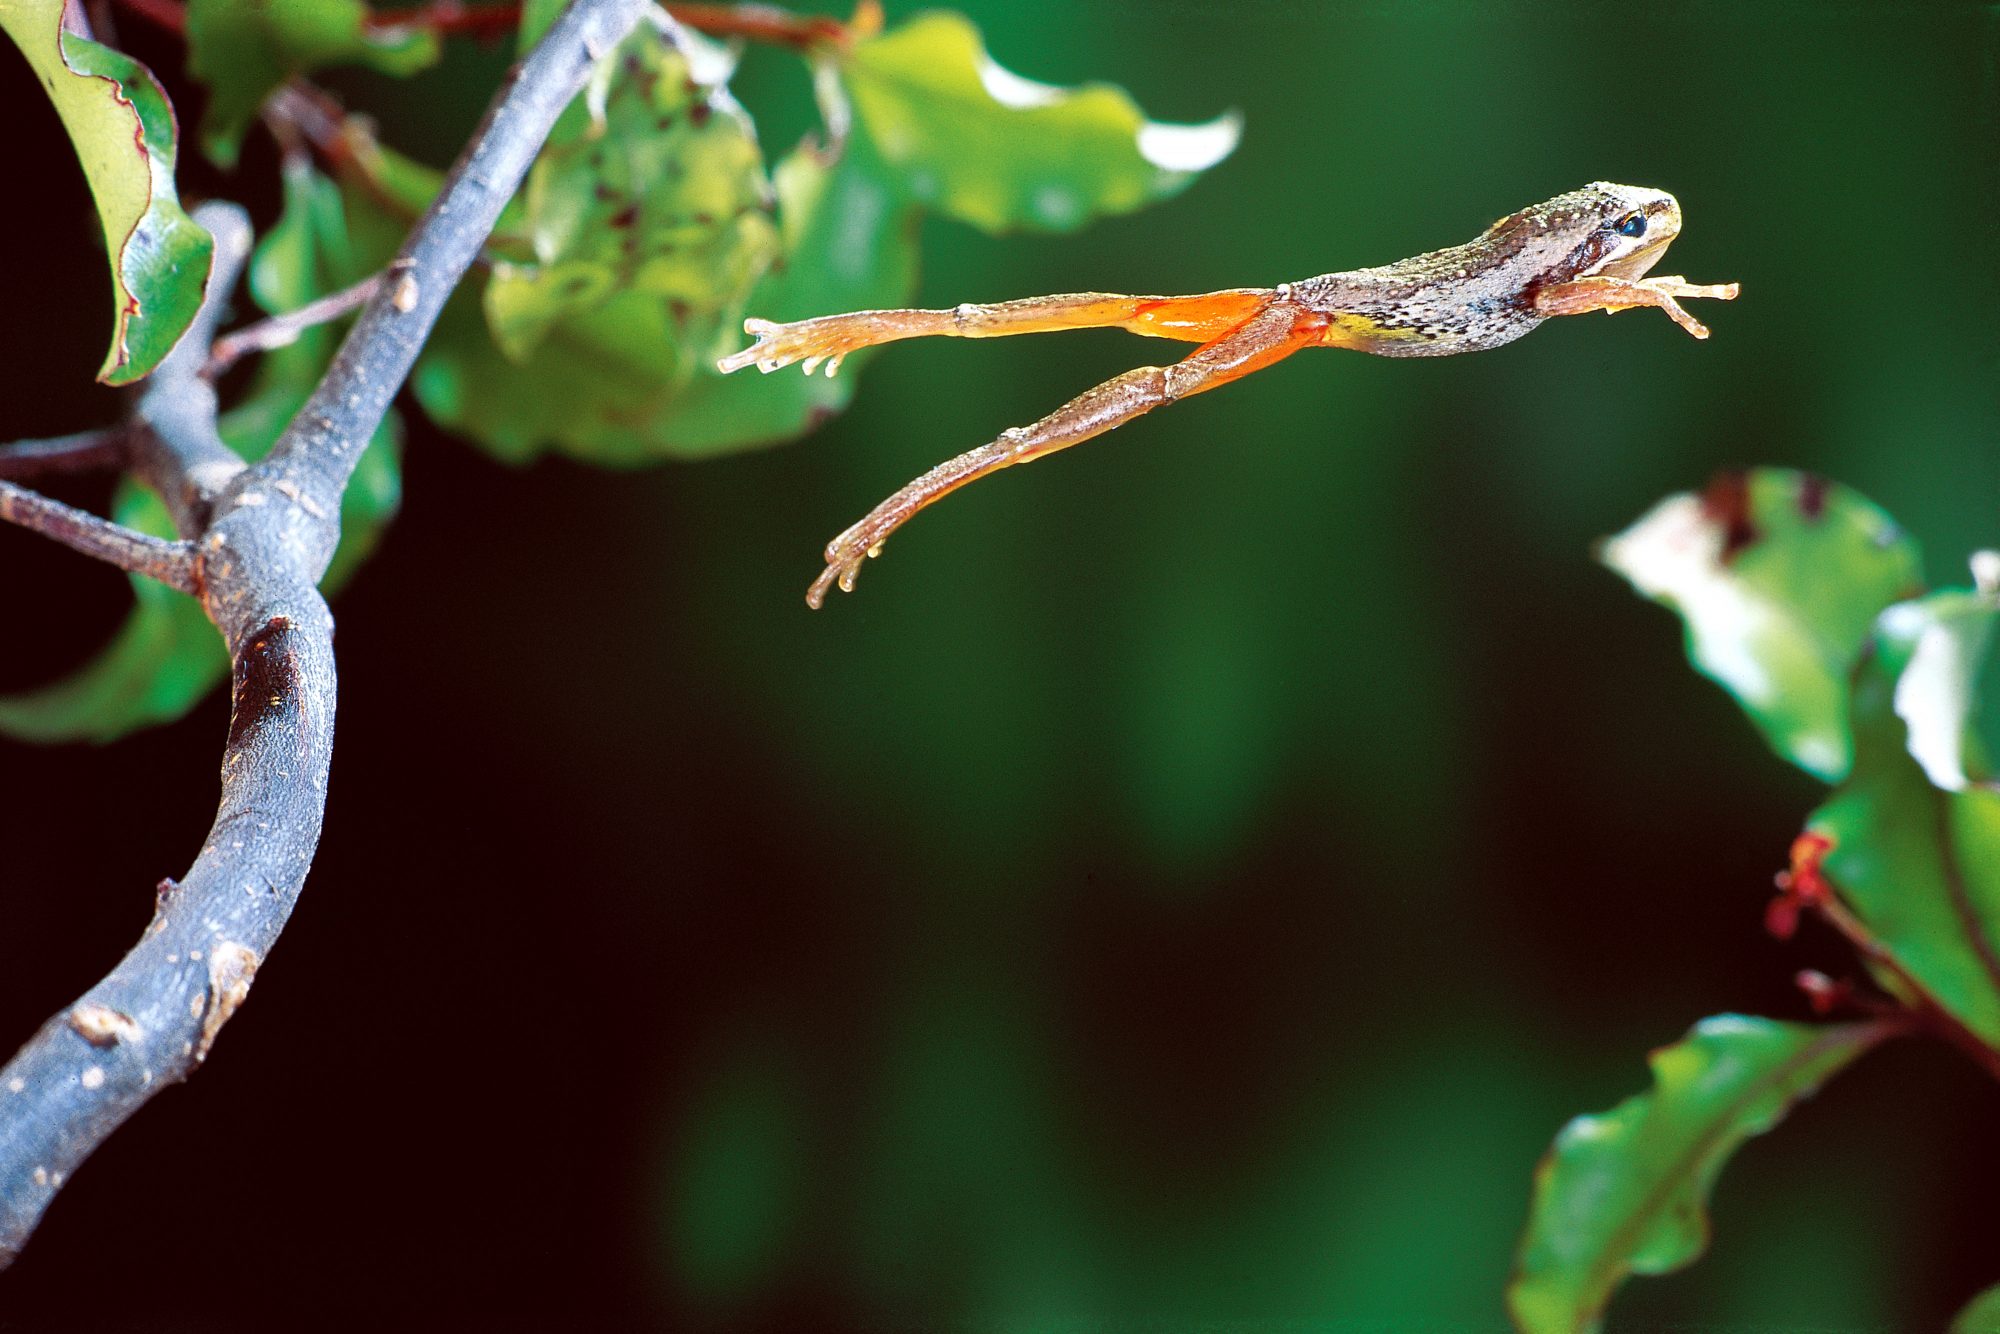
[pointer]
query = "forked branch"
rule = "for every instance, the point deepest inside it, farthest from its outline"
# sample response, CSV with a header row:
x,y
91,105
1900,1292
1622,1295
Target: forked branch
x,y
261,538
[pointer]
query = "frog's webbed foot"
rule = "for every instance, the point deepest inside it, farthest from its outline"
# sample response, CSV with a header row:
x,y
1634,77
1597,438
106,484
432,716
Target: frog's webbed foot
x,y
828,339
1615,294
844,556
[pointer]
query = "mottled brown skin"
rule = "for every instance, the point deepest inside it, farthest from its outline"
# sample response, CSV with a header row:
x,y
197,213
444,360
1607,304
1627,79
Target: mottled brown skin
x,y
1586,250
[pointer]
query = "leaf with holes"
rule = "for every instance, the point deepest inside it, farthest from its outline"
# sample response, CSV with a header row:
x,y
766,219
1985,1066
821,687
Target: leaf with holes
x,y
123,131
1779,576
850,243
649,217
1626,1192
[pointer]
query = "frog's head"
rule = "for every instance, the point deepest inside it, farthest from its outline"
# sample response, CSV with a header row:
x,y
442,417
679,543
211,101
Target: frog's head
x,y
1633,228
1617,231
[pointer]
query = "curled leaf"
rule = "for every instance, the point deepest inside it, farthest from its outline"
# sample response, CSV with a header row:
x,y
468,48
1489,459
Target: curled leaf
x,y
1779,576
979,143
1916,860
123,130
1938,649
1626,1192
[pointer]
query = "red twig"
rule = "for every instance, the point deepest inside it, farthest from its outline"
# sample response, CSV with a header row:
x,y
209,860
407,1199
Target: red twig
x,y
168,14
492,23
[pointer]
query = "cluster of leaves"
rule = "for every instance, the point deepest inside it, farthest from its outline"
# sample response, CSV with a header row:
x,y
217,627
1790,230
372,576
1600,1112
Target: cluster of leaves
x,y
1804,601
649,225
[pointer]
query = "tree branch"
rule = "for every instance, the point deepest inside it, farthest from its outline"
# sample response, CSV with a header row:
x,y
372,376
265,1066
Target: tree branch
x,y
86,451
260,548
172,563
315,456
177,450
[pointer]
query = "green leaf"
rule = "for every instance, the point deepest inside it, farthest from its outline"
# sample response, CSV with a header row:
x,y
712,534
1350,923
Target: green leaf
x,y
1626,1192
243,49
1916,863
1981,1315
1939,651
123,131
850,244
981,144
159,665
167,656
1779,576
649,218
650,235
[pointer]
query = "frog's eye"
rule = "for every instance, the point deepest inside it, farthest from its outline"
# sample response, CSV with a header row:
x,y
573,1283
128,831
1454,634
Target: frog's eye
x,y
1632,224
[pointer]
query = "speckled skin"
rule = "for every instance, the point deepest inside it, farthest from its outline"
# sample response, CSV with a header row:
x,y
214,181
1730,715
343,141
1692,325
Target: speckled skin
x,y
1481,294
1579,252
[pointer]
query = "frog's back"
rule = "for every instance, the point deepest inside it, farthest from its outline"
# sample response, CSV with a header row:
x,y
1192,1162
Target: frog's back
x,y
1464,298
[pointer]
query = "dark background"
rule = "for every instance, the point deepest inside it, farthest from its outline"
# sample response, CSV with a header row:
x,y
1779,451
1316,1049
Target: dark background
x,y
1191,880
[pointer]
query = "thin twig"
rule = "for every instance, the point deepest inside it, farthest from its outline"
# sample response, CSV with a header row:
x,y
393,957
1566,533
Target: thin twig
x,y
86,451
284,329
172,563
261,546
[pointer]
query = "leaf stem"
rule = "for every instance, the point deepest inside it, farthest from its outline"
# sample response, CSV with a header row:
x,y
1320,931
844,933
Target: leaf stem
x,y
1925,1006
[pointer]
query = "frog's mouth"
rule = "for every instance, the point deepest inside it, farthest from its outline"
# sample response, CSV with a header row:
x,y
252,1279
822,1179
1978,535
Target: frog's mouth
x,y
1635,265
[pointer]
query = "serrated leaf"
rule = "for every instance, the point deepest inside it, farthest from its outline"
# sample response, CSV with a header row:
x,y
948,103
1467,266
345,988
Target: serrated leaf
x,y
1626,1192
1916,864
981,144
122,128
167,656
243,49
1981,1315
1779,576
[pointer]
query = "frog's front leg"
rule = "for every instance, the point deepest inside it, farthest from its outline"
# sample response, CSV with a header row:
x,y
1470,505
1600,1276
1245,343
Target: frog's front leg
x,y
1614,294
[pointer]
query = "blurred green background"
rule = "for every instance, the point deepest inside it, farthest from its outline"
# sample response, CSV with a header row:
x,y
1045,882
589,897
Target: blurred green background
x,y
1191,880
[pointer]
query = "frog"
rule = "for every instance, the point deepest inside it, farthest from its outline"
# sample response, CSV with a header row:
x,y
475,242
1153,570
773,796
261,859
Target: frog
x,y
1586,250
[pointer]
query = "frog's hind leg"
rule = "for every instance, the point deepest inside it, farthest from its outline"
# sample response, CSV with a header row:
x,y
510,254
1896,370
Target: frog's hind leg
x,y
1272,334
829,338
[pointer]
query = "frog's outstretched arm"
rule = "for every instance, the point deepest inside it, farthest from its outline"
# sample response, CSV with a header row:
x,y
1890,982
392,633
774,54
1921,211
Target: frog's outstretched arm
x,y
1275,332
1616,294
829,338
